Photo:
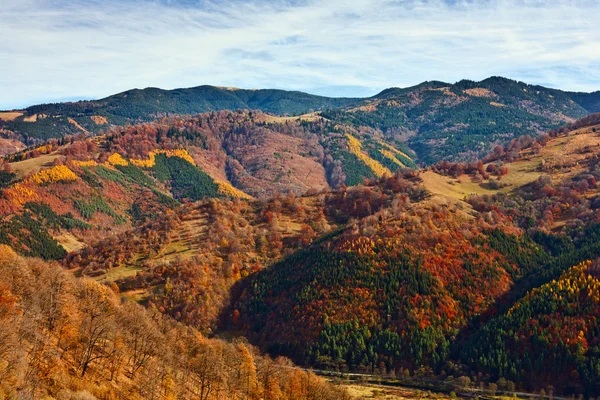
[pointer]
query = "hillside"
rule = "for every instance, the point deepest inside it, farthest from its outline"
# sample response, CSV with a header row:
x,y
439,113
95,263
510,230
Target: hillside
x,y
56,120
68,338
550,333
186,263
414,286
69,191
399,273
465,120
436,120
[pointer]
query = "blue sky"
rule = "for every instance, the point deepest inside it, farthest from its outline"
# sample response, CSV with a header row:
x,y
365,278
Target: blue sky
x,y
55,50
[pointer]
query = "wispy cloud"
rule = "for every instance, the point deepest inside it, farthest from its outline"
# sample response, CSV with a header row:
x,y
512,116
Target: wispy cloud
x,y
53,49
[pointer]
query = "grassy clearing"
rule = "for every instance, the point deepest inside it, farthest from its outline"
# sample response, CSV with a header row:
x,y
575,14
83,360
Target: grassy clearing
x,y
304,117
69,242
561,150
138,295
119,273
453,188
22,168
10,115
368,391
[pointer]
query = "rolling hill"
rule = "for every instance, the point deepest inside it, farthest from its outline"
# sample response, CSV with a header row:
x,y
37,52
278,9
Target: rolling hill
x,y
133,106
436,120
549,333
313,240
465,120
433,284
68,338
66,192
408,273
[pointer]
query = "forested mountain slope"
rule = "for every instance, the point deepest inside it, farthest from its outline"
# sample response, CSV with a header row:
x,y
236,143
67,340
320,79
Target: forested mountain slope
x,y
465,120
403,274
56,120
68,338
313,240
437,120
429,285
71,191
550,334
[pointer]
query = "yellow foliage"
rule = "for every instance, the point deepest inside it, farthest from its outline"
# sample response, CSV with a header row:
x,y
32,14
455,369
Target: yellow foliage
x,y
572,283
226,189
20,193
151,161
181,153
59,173
355,148
117,159
6,253
45,149
395,150
389,155
23,192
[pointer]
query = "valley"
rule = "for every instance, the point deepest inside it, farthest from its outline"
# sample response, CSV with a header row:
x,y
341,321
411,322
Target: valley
x,y
299,200
316,241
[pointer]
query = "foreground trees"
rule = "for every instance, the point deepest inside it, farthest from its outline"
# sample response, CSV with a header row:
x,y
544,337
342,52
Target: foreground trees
x,y
68,338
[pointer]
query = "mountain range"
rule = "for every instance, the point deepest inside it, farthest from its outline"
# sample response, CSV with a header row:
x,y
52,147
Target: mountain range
x,y
437,120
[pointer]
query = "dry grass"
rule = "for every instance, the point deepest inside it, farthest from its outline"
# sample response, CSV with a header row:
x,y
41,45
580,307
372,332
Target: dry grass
x,y
479,92
34,117
76,124
10,115
22,168
138,295
185,240
450,187
117,273
558,152
69,242
98,120
305,117
368,391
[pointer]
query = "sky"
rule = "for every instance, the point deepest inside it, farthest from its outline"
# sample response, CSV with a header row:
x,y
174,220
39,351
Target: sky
x,y
59,50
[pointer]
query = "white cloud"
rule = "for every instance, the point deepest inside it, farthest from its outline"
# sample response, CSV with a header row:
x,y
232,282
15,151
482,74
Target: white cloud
x,y
54,49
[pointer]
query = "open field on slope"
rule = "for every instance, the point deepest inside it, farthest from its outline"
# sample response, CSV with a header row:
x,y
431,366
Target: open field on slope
x,y
450,187
304,117
185,240
69,242
10,115
22,168
114,274
560,157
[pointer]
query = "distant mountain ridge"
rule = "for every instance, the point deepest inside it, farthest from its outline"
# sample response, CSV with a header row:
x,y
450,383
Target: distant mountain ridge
x,y
437,120
141,105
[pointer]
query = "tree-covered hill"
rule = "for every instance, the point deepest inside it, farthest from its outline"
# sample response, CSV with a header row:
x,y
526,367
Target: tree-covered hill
x,y
440,290
465,120
437,120
68,338
315,240
547,336
55,120
68,191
